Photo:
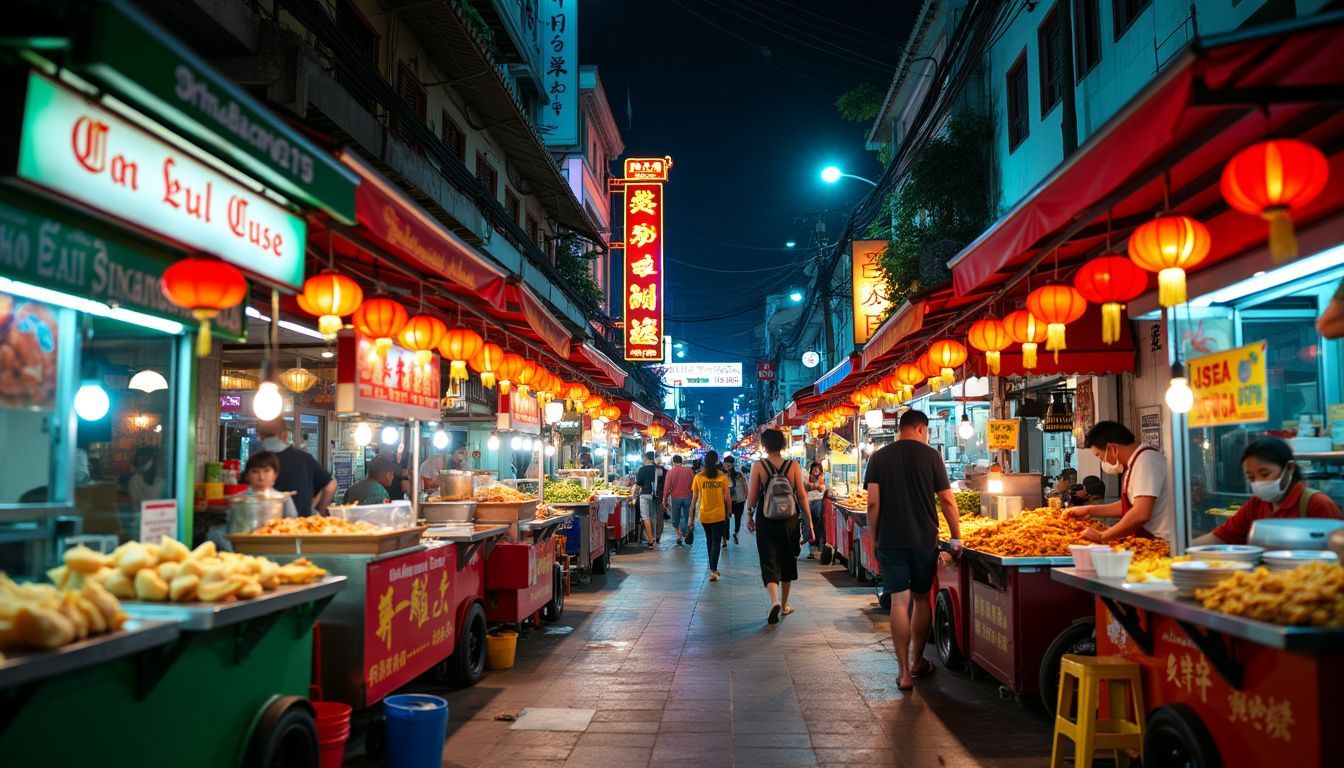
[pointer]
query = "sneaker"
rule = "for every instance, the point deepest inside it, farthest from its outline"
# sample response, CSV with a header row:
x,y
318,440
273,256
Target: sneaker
x,y
734,538
811,556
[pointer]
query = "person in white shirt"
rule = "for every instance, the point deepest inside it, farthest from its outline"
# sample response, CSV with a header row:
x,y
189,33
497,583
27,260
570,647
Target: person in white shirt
x,y
1146,506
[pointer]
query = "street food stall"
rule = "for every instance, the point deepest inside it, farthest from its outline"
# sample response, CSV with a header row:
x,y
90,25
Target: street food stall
x,y
522,578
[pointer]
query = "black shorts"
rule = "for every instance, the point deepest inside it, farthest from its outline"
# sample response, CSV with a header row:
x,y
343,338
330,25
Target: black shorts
x,y
907,569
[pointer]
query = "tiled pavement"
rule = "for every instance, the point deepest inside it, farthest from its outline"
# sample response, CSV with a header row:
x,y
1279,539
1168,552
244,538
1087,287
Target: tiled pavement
x,y
682,670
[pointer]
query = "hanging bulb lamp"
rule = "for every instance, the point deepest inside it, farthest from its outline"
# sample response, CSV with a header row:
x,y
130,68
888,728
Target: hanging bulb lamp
x,y
1110,281
1180,398
1028,330
457,347
991,337
1271,180
381,319
486,363
206,287
1169,245
330,296
1058,305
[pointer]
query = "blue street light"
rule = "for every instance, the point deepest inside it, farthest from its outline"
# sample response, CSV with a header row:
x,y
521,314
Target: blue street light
x,y
796,296
831,174
790,244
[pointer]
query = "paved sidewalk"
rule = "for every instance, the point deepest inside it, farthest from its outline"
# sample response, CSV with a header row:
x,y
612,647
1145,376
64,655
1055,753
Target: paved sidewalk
x,y
683,670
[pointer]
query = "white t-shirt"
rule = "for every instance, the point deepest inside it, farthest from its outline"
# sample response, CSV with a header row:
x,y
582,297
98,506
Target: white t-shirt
x,y
1148,477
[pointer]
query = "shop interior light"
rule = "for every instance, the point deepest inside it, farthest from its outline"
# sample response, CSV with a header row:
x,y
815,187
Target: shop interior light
x,y
550,450
555,411
1264,281
440,440
1180,398
267,403
363,434
995,482
966,430
390,435
516,443
632,457
873,418
492,442
287,325
91,401
148,381
327,354
89,306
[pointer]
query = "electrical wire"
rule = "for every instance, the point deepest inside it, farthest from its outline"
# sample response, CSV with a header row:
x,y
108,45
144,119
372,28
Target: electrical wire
x,y
776,268
836,22
740,246
829,46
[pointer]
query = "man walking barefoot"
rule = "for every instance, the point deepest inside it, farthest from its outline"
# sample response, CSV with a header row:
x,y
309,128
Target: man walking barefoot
x,y
903,479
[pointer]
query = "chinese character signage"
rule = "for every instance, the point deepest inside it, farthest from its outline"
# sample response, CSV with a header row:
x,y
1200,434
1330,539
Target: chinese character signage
x,y
408,618
1230,387
643,296
647,168
765,371
870,289
519,412
392,384
1002,434
559,119
702,374
76,148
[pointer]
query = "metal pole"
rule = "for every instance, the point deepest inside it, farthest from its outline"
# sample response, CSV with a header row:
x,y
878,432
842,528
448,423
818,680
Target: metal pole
x,y
415,468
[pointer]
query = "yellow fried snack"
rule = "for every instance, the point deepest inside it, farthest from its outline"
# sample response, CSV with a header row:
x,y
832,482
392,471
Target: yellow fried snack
x,y
316,525
248,587
81,559
43,628
150,586
135,558
502,494
106,604
169,570
215,591
1311,595
120,585
1041,532
183,588
172,550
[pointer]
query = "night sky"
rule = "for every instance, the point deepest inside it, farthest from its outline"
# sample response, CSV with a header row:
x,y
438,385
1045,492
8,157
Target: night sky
x,y
740,94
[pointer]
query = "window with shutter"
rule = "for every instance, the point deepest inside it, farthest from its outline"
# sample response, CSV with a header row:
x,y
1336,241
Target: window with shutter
x,y
486,174
1050,36
411,92
1124,12
1019,119
512,205
1086,36
453,137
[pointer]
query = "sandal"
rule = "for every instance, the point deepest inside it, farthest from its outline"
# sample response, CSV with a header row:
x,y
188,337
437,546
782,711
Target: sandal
x,y
774,614
786,610
922,668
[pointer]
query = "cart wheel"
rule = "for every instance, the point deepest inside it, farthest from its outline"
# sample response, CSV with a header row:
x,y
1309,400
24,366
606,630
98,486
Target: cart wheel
x,y
945,632
467,663
1080,639
600,563
285,736
551,611
827,554
375,739
1177,738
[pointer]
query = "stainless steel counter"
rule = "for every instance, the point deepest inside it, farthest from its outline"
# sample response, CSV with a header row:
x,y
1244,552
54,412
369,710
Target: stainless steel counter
x,y
1016,562
203,617
460,536
23,666
542,523
1167,603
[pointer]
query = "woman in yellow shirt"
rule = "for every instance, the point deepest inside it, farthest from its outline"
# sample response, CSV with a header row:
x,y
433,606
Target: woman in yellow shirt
x,y
710,497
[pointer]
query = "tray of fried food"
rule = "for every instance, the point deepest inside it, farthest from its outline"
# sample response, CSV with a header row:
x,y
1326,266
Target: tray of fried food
x,y
324,535
1040,532
1144,548
969,524
48,616
1309,596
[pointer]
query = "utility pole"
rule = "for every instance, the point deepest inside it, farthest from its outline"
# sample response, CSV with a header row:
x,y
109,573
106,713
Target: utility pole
x,y
824,295
1068,123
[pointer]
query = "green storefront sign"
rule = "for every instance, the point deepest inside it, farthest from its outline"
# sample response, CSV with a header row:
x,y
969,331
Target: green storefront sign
x,y
145,65
40,246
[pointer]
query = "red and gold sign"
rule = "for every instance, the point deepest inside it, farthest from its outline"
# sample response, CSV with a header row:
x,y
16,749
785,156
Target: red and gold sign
x,y
518,412
386,382
408,619
869,288
647,168
643,296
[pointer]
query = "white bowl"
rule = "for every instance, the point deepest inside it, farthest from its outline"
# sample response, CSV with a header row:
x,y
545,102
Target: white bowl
x,y
1236,552
1082,554
1289,559
1112,565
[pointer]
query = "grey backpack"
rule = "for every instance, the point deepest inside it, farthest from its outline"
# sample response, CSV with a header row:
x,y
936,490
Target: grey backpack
x,y
781,501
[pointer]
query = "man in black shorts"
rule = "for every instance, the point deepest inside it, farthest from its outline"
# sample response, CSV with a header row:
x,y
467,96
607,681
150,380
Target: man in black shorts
x,y
903,479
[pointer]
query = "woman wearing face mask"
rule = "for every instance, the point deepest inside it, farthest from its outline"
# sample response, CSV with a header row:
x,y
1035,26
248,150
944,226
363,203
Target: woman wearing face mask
x,y
1278,491
1146,506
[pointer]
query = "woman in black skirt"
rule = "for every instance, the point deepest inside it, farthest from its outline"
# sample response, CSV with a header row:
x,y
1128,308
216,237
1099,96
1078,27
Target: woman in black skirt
x,y
776,540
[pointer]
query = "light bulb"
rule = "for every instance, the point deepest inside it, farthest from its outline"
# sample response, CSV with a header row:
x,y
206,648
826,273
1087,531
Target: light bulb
x,y
363,434
555,411
267,402
966,429
327,354
1180,398
390,435
516,443
550,450
440,439
91,401
873,418
492,442
148,381
600,452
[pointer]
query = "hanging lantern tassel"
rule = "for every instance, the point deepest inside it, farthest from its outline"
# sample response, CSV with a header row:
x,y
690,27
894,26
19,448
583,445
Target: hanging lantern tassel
x,y
1171,287
1282,237
1029,355
488,379
1110,321
457,371
992,361
1054,338
203,336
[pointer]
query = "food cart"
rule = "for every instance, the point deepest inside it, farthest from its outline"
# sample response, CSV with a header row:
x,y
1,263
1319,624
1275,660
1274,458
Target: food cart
x,y
586,537
522,578
620,515
1221,689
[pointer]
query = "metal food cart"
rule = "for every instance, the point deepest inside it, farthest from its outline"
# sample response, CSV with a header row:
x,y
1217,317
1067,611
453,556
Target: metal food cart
x,y
521,575
620,515
586,537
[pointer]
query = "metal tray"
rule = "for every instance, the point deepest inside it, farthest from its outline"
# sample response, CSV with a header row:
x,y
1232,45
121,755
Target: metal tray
x,y
541,523
24,666
505,512
448,511
326,544
1017,562
202,617
481,533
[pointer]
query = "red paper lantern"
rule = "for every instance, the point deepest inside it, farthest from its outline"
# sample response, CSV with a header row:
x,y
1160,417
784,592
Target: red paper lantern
x,y
593,403
1169,245
1110,281
329,296
206,287
1025,329
486,362
457,347
381,319
947,354
1058,305
526,376
1271,180
991,337
931,370
509,367
421,335
611,412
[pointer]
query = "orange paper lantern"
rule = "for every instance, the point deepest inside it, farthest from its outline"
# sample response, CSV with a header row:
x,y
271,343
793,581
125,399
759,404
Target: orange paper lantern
x,y
458,346
421,335
576,393
1058,305
991,337
509,368
526,375
486,362
947,354
381,319
1169,245
1025,329
931,370
910,377
329,296
1272,179
593,403
611,412
1110,281
206,287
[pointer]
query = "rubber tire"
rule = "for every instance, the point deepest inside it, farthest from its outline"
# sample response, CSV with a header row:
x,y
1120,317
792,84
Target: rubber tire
x,y
827,555
467,664
945,632
285,736
1079,638
1176,737
550,612
602,562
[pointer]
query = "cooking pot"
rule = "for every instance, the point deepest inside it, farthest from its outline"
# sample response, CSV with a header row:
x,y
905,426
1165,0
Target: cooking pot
x,y
457,483
250,511
1292,533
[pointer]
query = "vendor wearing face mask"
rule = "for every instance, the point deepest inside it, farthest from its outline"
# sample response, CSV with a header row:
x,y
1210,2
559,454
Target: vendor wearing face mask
x,y
1146,506
1276,483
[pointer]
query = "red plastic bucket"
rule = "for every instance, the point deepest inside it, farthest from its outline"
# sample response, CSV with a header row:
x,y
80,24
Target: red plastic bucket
x,y
333,729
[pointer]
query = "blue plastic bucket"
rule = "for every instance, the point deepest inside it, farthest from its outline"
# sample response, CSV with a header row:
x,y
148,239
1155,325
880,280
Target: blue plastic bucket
x,y
417,725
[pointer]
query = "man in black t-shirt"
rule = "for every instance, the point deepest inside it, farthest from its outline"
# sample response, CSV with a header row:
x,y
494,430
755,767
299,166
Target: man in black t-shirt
x,y
312,485
649,478
903,481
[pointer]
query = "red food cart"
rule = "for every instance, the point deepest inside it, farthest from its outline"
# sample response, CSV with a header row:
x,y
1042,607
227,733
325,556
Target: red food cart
x,y
620,515
521,575
586,538
1220,689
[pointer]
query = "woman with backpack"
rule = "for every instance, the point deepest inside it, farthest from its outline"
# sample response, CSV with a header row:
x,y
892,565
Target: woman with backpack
x,y
777,496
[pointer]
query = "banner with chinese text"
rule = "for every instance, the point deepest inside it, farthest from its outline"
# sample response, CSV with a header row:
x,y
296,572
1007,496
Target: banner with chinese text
x,y
643,296
559,120
408,618
869,288
1230,387
392,384
1002,434
765,371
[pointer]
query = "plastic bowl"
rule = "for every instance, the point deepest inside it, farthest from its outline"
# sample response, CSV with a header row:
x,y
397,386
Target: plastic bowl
x,y
1112,565
1082,555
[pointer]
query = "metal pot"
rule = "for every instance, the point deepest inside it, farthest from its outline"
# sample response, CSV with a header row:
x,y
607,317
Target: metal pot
x,y
456,483
250,511
1293,533
448,511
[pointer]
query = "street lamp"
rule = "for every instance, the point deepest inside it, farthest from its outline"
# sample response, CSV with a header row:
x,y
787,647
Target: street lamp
x,y
796,296
790,244
831,174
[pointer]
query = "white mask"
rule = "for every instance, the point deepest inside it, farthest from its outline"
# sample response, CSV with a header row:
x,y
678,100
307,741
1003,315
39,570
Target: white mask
x,y
1270,491
1112,469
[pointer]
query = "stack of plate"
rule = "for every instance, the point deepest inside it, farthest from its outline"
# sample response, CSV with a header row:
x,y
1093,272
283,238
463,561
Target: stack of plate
x,y
1288,559
1237,553
1198,574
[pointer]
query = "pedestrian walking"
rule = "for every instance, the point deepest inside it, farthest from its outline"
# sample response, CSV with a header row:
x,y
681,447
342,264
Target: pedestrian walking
x,y
737,484
710,499
816,494
903,481
776,495
650,482
677,498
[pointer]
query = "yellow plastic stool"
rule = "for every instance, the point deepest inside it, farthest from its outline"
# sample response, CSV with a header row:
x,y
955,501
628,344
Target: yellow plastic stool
x,y
1083,676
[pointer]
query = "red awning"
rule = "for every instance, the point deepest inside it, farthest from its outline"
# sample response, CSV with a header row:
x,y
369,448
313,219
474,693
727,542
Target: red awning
x,y
635,413
543,322
609,370
1223,94
905,320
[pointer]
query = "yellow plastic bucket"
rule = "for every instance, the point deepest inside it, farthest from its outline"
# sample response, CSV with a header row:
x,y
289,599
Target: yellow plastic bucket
x,y
500,647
